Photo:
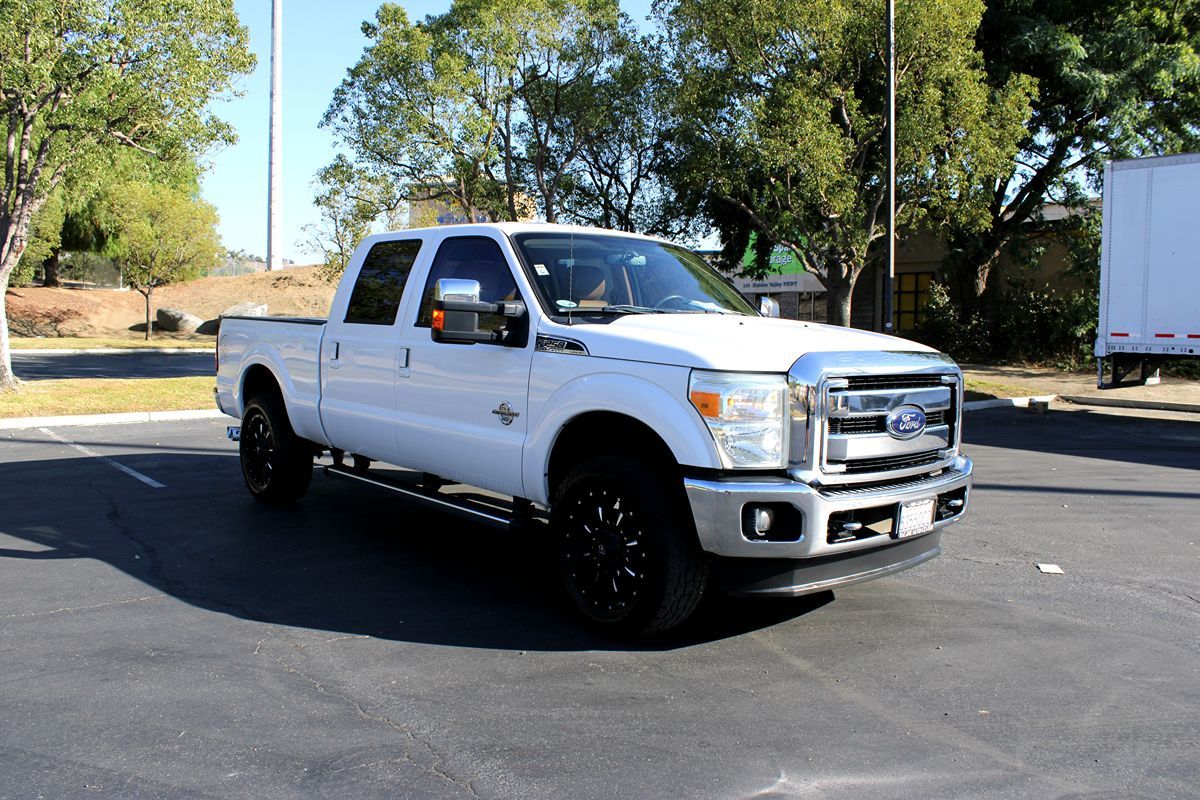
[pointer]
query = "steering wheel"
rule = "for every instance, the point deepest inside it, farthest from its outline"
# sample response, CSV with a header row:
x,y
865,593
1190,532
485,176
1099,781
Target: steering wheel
x,y
661,304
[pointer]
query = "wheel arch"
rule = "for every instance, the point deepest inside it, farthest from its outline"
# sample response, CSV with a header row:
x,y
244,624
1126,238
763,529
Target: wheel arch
x,y
601,433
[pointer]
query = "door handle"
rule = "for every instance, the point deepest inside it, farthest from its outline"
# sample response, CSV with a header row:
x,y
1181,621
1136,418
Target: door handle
x,y
335,350
402,369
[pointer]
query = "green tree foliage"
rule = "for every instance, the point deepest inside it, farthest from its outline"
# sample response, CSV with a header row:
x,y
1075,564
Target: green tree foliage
x,y
163,236
619,176
1116,79
494,106
350,201
76,216
80,78
780,132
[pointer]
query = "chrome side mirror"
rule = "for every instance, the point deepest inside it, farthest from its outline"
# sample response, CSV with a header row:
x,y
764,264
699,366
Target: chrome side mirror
x,y
768,307
460,289
456,310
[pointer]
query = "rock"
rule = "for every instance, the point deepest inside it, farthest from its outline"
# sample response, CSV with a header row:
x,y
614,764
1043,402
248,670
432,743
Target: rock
x,y
173,319
247,309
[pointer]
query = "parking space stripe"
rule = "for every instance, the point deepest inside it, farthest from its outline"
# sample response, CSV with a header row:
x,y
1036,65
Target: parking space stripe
x,y
87,451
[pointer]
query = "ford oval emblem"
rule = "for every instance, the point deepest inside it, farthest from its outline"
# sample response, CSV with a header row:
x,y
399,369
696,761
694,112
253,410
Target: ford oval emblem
x,y
906,422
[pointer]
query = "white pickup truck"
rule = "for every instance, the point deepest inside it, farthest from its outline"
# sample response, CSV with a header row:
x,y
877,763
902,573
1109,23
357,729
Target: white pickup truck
x,y
677,439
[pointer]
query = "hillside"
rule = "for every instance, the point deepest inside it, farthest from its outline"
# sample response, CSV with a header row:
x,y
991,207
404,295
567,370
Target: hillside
x,y
113,313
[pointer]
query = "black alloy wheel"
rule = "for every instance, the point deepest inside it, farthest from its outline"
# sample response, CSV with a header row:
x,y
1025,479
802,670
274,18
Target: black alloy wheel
x,y
604,557
627,548
276,463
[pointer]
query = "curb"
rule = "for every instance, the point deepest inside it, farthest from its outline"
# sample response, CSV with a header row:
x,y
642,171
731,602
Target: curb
x,y
1115,402
110,351
1007,402
1082,400
109,419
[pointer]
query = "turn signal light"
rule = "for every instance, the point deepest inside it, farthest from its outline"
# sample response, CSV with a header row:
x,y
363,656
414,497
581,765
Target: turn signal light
x,y
707,403
439,319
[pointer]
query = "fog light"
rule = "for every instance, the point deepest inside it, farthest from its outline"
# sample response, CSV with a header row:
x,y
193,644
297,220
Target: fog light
x,y
772,522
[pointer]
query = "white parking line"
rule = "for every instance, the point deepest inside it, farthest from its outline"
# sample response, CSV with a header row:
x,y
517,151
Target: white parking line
x,y
87,451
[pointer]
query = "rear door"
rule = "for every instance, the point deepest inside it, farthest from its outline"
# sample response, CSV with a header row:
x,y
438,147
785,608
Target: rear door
x,y
462,407
361,354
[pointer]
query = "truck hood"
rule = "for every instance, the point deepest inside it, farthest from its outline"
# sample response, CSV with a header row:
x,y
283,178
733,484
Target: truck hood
x,y
723,341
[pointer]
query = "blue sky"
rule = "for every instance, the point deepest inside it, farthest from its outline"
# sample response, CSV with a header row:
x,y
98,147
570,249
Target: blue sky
x,y
321,40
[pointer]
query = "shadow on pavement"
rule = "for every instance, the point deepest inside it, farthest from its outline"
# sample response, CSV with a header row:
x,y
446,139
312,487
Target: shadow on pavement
x,y
1087,434
348,559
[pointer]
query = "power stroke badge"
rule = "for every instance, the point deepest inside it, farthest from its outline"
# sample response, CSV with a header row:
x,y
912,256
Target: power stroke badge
x,y
506,414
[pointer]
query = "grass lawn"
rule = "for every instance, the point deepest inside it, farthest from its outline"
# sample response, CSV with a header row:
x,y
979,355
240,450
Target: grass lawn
x,y
986,390
77,343
106,396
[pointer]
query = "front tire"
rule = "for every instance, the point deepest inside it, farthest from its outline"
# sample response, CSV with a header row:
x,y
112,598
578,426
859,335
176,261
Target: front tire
x,y
276,463
627,547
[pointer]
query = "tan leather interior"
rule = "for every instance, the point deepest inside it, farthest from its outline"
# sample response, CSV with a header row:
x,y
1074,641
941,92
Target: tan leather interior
x,y
588,286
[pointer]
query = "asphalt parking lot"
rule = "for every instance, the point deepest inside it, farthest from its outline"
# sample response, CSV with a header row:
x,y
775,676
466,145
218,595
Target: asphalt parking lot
x,y
162,635
36,366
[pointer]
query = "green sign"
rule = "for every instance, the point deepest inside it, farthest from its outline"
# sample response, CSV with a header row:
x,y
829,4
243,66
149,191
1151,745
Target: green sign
x,y
783,260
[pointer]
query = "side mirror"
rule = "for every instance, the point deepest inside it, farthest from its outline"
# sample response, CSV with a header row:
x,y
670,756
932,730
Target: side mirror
x,y
768,307
456,310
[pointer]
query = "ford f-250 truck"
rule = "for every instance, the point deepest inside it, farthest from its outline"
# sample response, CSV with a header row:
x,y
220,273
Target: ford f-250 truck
x,y
677,438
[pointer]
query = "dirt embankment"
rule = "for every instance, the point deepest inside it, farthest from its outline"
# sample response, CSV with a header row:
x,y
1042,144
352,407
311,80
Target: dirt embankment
x,y
296,291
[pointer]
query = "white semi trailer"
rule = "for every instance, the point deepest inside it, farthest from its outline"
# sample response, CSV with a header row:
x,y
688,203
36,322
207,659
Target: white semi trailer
x,y
1149,267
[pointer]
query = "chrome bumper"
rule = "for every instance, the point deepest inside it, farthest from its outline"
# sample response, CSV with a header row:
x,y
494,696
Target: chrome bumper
x,y
718,508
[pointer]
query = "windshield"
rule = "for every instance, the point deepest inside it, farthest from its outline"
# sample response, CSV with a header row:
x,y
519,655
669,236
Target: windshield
x,y
599,274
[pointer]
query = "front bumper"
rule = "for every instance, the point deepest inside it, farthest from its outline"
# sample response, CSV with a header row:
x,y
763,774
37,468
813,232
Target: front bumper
x,y
719,506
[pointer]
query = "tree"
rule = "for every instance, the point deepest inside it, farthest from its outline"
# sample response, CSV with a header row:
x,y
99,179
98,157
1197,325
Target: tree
x,y
618,180
163,236
350,201
780,124
481,105
80,78
1116,79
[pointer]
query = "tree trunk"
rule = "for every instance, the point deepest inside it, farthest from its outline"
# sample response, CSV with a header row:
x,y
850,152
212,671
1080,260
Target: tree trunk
x,y
146,294
50,268
837,300
10,256
8,380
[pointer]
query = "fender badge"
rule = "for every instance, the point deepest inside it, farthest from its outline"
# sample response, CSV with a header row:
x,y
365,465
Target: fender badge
x,y
506,414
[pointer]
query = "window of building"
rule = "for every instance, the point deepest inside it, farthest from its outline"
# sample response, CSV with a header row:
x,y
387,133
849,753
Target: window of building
x,y
380,285
910,295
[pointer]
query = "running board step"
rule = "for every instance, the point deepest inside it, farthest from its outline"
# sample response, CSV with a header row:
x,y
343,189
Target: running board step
x,y
464,507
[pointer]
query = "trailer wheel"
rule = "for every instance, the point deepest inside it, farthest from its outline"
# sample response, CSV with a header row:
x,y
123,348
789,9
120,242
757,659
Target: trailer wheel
x,y
276,463
627,548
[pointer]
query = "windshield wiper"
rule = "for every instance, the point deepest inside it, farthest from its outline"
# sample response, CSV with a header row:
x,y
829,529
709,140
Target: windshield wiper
x,y
629,309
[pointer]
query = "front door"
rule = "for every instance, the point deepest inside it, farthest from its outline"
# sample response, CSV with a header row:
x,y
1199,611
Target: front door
x,y
463,406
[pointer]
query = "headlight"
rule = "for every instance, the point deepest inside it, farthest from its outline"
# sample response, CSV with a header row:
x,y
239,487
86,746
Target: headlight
x,y
745,413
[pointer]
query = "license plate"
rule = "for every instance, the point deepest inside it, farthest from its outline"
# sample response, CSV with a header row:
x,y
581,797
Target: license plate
x,y
915,517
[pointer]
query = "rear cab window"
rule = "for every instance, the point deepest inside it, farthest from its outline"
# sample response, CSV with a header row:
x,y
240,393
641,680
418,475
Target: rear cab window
x,y
380,283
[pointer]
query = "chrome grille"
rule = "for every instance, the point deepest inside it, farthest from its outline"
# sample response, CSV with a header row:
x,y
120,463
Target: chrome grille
x,y
877,423
839,407
856,439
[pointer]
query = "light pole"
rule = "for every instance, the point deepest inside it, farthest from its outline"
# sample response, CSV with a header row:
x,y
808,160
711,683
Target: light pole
x,y
274,156
890,275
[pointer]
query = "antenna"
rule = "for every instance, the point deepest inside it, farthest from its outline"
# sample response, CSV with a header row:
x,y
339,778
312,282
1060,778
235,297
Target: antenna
x,y
274,156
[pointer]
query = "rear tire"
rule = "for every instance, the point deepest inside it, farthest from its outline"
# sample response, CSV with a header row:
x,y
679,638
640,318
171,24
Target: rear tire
x,y
276,463
627,548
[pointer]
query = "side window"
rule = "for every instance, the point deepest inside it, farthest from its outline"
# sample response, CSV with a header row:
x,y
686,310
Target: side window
x,y
376,296
473,258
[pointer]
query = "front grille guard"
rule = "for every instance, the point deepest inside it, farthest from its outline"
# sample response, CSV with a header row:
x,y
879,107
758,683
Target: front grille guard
x,y
812,377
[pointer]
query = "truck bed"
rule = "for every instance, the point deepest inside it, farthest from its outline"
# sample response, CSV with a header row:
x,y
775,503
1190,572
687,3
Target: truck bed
x,y
290,348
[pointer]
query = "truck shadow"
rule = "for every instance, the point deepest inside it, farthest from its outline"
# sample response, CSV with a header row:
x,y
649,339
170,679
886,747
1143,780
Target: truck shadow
x,y
349,559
